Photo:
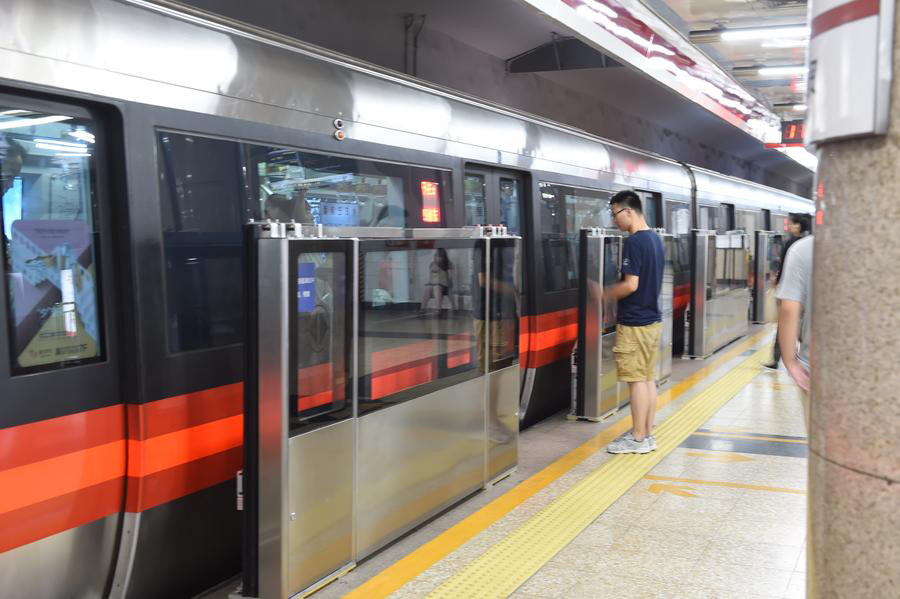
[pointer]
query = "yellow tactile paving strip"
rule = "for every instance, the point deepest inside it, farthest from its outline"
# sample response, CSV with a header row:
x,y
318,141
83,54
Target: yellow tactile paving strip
x,y
413,564
509,563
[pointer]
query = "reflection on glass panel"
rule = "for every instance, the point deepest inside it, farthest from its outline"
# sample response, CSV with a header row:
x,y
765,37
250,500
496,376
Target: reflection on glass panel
x,y
565,211
504,306
679,218
346,192
611,261
416,317
473,190
210,187
203,210
48,239
321,383
510,204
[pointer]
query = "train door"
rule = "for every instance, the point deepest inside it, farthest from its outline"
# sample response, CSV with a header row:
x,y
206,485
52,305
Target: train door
x,y
62,421
496,196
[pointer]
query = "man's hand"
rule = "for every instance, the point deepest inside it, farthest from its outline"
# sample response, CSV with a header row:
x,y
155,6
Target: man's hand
x,y
798,373
621,289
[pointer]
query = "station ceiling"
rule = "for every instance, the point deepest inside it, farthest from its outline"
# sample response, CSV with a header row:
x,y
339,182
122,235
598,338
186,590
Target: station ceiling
x,y
524,33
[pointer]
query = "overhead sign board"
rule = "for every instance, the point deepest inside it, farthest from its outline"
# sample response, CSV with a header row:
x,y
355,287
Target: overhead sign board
x,y
850,52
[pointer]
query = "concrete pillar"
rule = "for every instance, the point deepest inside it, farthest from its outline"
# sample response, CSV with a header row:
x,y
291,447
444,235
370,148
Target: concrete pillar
x,y
854,437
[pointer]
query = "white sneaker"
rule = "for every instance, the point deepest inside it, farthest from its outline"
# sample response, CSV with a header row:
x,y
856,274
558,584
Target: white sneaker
x,y
630,435
626,445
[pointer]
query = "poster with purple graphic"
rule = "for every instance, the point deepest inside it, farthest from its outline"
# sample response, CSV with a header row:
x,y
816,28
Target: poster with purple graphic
x,y
54,297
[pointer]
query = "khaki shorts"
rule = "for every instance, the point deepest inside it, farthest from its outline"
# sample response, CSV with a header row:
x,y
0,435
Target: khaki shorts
x,y
637,352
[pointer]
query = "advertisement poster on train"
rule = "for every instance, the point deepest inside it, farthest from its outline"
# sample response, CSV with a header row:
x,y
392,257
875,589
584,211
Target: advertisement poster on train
x,y
54,302
306,286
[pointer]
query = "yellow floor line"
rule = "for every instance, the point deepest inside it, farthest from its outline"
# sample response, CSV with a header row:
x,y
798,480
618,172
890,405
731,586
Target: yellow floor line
x,y
402,571
508,564
717,483
732,436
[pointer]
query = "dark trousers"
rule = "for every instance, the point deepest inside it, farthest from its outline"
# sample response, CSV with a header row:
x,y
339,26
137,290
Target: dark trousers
x,y
776,350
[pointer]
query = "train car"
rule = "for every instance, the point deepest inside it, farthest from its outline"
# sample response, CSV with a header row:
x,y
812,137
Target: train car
x,y
136,138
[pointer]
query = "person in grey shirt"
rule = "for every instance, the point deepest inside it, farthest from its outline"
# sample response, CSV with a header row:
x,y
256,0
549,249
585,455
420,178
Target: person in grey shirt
x,y
795,293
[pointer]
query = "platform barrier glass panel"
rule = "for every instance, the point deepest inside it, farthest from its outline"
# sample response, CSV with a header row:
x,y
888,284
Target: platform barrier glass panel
x,y
666,301
720,297
504,274
422,383
598,392
382,386
766,265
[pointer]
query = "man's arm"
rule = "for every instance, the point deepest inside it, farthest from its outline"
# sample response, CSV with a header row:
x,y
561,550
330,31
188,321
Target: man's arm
x,y
788,333
623,288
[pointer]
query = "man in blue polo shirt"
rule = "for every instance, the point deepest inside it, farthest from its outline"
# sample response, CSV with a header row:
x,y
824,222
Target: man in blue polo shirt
x,y
640,320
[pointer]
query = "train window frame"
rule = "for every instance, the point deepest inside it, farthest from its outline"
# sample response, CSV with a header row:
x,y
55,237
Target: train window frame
x,y
541,183
98,186
244,144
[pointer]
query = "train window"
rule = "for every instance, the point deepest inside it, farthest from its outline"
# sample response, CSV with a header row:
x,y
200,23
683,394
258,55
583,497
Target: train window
x,y
474,192
726,218
709,218
210,187
203,210
564,211
651,204
510,199
678,218
341,191
49,240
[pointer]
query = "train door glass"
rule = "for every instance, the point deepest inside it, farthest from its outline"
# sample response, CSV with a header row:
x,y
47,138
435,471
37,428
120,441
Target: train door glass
x,y
726,218
474,194
50,240
678,218
651,203
493,197
709,220
564,212
59,352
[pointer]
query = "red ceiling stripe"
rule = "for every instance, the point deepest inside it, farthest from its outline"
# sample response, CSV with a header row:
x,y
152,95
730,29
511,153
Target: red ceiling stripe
x,y
843,14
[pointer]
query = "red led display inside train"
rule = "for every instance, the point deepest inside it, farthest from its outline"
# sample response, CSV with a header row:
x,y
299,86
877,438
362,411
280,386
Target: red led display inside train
x,y
431,202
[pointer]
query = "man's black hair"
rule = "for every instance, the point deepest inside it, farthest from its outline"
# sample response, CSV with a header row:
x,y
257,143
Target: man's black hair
x,y
627,199
803,220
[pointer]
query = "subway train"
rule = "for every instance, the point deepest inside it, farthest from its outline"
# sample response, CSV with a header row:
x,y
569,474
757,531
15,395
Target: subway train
x,y
136,139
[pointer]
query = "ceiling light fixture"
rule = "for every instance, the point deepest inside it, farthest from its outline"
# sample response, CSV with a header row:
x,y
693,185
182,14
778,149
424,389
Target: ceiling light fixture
x,y
43,120
780,71
763,33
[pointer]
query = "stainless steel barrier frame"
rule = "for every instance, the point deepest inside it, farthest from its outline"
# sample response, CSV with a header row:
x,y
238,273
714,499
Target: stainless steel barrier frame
x,y
309,518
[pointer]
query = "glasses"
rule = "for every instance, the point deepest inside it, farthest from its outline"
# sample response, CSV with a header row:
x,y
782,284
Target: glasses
x,y
615,213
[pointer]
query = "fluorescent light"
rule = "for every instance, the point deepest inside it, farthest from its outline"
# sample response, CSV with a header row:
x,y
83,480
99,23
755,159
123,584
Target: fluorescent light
x,y
72,155
741,35
59,142
60,148
780,43
13,112
777,71
82,135
799,107
43,120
